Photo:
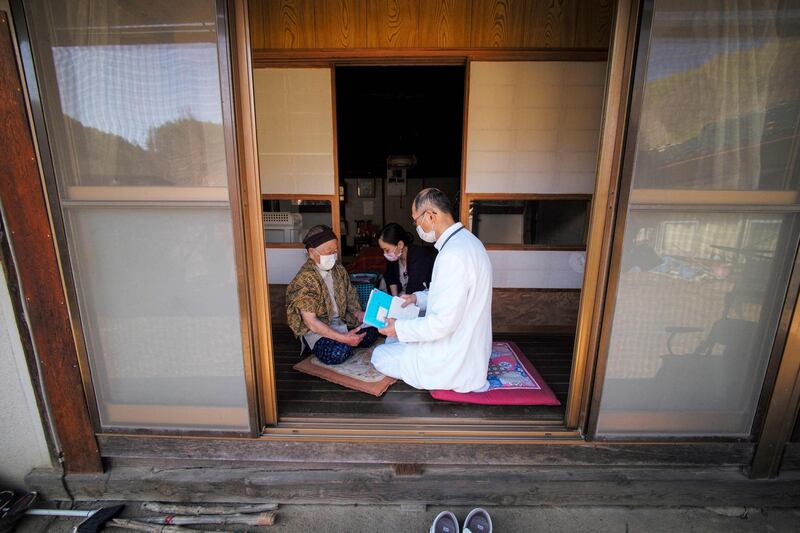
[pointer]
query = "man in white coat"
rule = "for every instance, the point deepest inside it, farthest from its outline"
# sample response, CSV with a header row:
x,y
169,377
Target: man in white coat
x,y
449,347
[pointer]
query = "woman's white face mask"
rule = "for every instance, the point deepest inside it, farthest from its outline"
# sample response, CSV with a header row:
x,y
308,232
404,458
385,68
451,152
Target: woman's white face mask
x,y
326,262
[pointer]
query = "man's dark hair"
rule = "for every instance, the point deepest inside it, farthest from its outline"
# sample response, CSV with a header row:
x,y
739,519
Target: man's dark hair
x,y
433,199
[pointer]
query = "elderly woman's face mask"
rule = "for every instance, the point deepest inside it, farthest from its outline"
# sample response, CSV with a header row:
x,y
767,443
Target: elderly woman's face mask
x,y
325,256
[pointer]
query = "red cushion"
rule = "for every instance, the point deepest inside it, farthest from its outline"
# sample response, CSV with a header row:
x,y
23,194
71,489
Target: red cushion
x,y
506,396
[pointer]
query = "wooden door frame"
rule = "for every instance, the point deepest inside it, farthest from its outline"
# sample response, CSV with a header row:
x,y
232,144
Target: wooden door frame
x,y
78,439
603,200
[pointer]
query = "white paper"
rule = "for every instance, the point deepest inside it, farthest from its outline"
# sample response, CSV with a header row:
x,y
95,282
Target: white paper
x,y
399,312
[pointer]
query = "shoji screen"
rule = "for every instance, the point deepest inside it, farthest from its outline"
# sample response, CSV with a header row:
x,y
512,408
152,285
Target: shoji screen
x,y
534,128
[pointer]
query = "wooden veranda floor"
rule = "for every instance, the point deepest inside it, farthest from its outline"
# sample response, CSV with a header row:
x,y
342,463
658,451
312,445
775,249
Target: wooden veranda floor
x,y
301,396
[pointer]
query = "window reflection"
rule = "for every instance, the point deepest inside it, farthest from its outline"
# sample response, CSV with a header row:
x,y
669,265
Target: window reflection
x,y
721,102
287,221
551,222
151,116
697,307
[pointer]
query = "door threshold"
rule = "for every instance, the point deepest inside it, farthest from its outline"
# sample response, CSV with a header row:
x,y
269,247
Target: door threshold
x,y
416,429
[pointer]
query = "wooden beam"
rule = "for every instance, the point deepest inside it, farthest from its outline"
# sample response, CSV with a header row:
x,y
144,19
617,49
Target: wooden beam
x,y
379,484
299,448
26,218
267,57
250,186
783,406
791,457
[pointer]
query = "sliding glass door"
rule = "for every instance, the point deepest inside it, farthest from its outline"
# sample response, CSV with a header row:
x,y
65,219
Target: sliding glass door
x,y
132,94
711,229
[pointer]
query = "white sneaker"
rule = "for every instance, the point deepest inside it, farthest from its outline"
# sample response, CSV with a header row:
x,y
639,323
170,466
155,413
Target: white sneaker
x,y
445,522
478,521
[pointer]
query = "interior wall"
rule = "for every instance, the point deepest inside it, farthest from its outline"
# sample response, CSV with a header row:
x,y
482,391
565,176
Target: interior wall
x,y
291,24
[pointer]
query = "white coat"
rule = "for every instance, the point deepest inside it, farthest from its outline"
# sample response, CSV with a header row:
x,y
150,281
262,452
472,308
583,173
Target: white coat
x,y
449,347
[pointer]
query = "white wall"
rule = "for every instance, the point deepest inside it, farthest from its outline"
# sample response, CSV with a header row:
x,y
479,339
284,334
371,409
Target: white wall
x,y
294,126
22,442
545,269
534,127
283,264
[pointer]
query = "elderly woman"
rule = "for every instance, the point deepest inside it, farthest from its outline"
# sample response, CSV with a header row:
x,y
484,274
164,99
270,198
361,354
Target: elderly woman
x,y
322,306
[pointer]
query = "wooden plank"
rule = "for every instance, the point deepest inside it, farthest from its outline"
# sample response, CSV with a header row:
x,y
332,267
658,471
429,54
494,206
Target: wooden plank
x,y
369,484
256,22
392,23
445,23
304,396
594,24
418,56
498,24
470,451
340,23
551,24
27,221
282,24
791,457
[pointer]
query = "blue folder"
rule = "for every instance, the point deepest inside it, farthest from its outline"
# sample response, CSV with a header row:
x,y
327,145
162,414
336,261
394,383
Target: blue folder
x,y
377,308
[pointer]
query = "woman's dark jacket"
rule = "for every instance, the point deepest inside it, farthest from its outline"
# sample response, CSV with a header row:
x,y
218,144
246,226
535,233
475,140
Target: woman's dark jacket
x,y
419,267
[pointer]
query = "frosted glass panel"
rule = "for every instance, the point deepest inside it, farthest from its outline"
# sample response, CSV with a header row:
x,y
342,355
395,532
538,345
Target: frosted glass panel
x,y
294,123
132,99
534,127
161,315
697,308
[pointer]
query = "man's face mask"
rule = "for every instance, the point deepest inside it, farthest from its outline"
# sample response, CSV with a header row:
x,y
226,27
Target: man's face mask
x,y
427,236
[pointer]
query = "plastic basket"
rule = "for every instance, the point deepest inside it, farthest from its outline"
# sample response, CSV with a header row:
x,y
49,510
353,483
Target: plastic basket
x,y
364,282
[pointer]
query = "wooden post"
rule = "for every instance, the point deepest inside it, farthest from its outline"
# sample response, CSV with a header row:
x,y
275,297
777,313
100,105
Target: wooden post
x,y
31,237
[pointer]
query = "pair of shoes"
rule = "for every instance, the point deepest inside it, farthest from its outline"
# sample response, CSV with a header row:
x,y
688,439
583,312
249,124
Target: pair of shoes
x,y
477,521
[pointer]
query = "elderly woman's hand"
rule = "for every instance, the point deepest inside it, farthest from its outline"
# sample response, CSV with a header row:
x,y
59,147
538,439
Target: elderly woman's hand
x,y
351,338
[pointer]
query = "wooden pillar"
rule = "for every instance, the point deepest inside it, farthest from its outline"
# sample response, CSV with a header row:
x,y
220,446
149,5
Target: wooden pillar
x,y
28,225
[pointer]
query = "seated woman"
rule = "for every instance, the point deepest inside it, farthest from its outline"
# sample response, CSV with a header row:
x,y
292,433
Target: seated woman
x,y
322,306
409,268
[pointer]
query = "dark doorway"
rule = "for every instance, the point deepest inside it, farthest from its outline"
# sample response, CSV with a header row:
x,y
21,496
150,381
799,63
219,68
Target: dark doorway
x,y
414,113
